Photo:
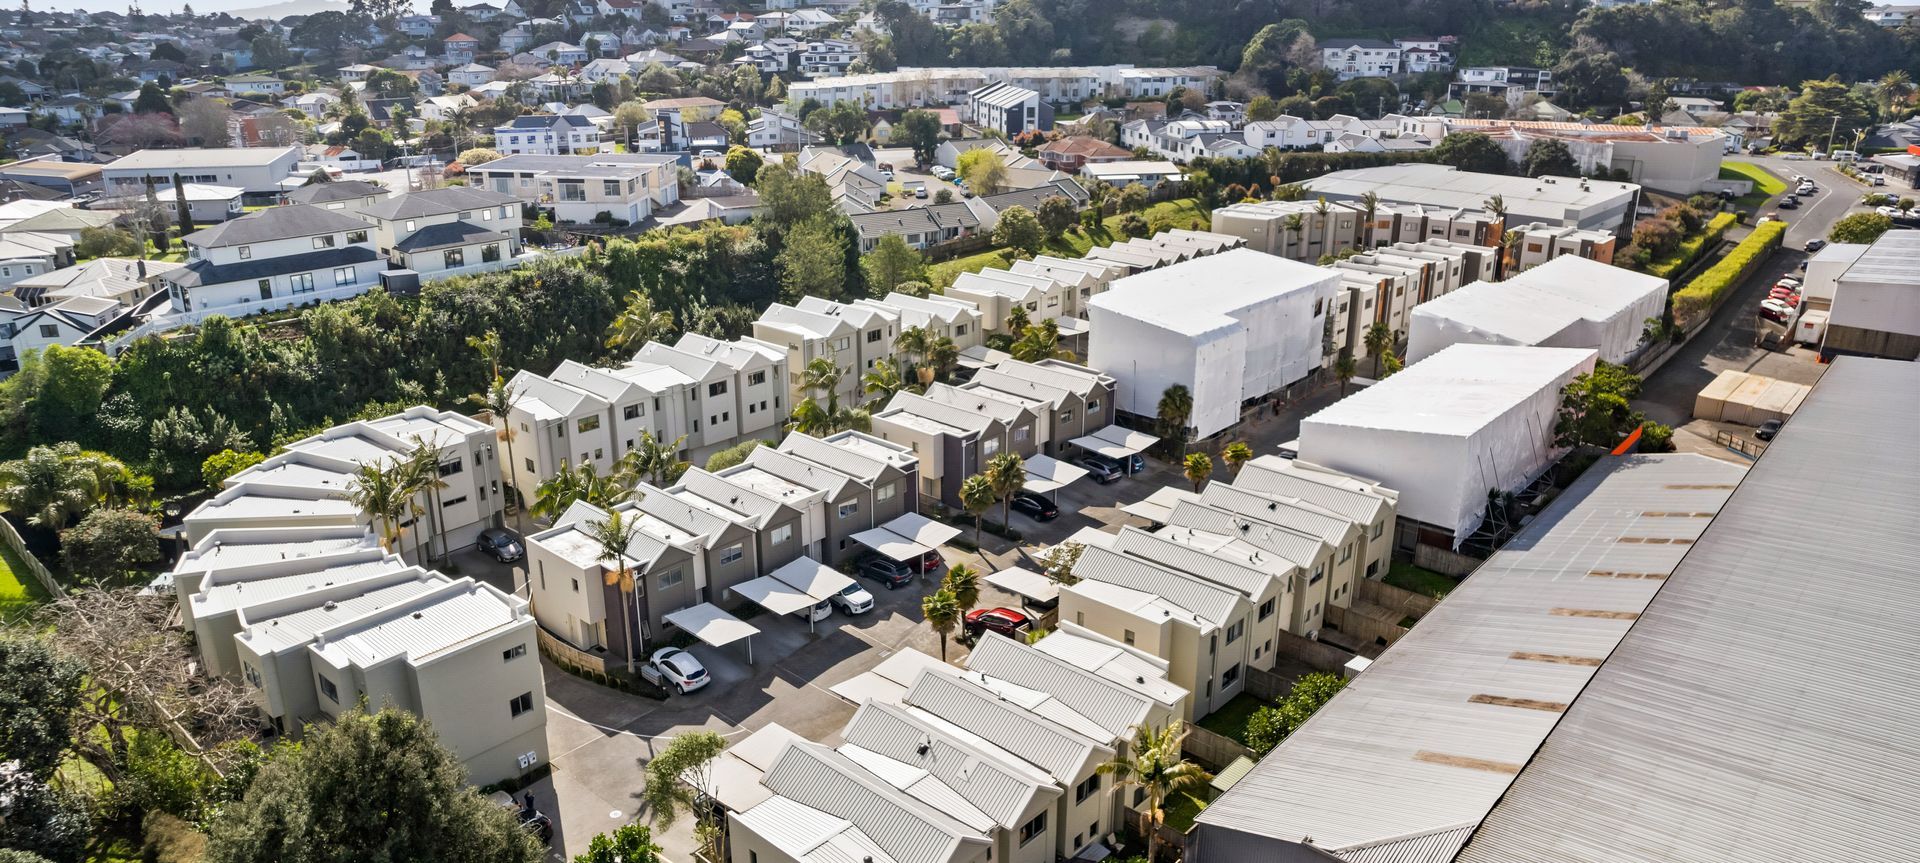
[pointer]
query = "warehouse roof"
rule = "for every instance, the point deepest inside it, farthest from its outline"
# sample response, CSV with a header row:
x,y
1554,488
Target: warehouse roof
x,y
1892,259
1751,714
1442,186
1428,738
1196,297
1456,391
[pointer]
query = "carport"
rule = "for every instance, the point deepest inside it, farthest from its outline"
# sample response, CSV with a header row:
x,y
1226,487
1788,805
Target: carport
x,y
798,586
908,538
713,626
1116,443
1035,590
1158,507
1046,474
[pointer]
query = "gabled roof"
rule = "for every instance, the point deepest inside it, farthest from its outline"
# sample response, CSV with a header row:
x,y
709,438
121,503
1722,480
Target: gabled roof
x,y
1115,708
204,272
321,193
275,223
1211,604
906,830
448,235
438,202
984,787
964,708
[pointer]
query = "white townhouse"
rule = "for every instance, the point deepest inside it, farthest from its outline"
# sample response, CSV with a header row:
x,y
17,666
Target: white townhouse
x,y
470,75
272,259
447,232
550,135
849,335
1360,58
579,188
258,170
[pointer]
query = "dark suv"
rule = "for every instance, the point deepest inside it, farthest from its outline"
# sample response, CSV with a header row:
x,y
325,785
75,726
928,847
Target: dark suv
x,y
887,571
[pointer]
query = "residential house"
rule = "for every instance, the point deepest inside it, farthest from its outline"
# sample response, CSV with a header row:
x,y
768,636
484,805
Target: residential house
x,y
1513,83
1200,627
1070,153
258,170
578,188
446,232
470,74
351,195
461,50
676,115
273,259
256,85
1360,58
778,131
550,135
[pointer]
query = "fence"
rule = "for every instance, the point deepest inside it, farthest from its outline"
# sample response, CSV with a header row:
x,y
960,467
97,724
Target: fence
x,y
1399,599
1214,750
1173,843
566,655
39,570
1364,628
1320,657
1268,686
1444,561
1740,443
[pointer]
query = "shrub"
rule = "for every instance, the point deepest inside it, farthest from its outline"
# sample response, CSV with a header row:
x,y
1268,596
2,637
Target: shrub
x,y
1690,250
1706,289
168,839
1655,437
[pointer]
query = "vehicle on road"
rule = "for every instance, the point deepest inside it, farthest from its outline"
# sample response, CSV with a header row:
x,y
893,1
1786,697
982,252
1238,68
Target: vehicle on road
x,y
1035,506
1005,621
501,544
681,670
1789,203
1795,157
1768,429
887,571
1815,245
853,599
1102,469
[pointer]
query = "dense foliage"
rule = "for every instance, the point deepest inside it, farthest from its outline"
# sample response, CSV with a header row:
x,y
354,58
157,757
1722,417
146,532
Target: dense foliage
x,y
1700,295
1270,725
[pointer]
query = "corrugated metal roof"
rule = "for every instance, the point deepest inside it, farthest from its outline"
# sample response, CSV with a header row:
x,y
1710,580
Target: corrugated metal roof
x,y
907,830
1115,708
1431,735
1291,513
995,782
1762,707
1439,844
1275,475
966,707
1211,602
1129,667
1214,568
1291,546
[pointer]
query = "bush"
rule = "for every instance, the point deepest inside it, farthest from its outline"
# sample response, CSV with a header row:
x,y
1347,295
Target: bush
x,y
1706,289
1270,725
1860,228
106,242
1655,437
1690,250
225,463
108,542
167,839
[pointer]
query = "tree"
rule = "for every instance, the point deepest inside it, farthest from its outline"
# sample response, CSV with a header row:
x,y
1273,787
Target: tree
x,y
225,463
918,130
1549,157
744,163
270,52
498,400
422,480
1595,407
52,485
1019,230
675,778
1056,215
152,100
108,542
1471,151
1007,474
942,611
1344,369
977,496
1379,340
376,490
882,380
1589,75
1196,468
654,461
1038,342
1133,198
39,692
1823,109
1175,408
1860,228
1133,225
204,122
1262,108
814,260
574,484
964,583
1270,725
315,802
892,263
478,156
984,171
1154,764
790,196
1893,90
326,32
638,324
1271,53
183,213
1236,454
733,455
630,843
614,535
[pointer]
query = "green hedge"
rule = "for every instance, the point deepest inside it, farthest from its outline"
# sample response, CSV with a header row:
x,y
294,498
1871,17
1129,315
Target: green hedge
x,y
1706,289
1690,250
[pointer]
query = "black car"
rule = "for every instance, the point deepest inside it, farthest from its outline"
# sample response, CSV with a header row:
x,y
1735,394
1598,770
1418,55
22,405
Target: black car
x,y
1035,506
1789,203
887,571
1767,430
1815,245
501,544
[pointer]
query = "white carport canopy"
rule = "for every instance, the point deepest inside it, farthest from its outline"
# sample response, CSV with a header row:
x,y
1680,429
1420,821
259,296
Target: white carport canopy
x,y
1026,583
812,578
713,626
1046,474
1116,442
1158,507
908,537
775,595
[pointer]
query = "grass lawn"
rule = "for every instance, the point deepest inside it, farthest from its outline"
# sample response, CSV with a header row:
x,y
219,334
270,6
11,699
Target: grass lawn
x,y
1177,213
1182,808
1426,582
1231,720
19,591
1765,184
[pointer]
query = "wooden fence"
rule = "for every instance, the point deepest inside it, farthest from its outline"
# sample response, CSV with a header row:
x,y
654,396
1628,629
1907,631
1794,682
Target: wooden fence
x,y
1214,750
1399,599
1362,628
1320,657
1443,560
37,569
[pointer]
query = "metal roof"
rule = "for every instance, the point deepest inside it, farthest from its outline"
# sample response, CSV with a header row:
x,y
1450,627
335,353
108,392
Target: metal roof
x,y
1431,735
1211,603
964,707
993,781
1114,708
1762,707
905,829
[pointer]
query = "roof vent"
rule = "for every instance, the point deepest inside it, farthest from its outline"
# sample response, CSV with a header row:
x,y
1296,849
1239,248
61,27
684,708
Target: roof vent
x,y
1139,678
418,616
329,605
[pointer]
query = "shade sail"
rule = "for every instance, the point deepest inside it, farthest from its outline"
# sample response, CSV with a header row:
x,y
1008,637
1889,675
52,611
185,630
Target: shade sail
x,y
918,528
813,578
1157,507
1116,442
711,625
774,595
1026,583
891,545
1046,474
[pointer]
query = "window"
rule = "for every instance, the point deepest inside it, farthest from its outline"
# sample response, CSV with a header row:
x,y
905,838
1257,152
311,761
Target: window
x,y
1234,632
1086,789
671,579
1022,433
885,493
873,336
1377,528
449,468
1316,575
454,258
756,378
573,190
610,188
486,215
1126,635
49,331
1266,609
576,585
960,329
246,253
521,703
325,242
587,424
251,674
782,534
343,276
1066,416
1034,828
530,467
1346,552
732,553
718,388
1093,405
634,411
302,283
453,502
513,653
1230,676
327,689
849,508
356,236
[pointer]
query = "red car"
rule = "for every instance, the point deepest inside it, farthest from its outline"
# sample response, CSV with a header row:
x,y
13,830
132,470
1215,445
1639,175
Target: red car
x,y
930,561
1005,621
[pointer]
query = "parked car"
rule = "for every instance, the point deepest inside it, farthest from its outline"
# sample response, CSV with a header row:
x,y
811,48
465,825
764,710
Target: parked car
x,y
1768,429
1795,157
1789,203
531,820
680,669
920,192
819,611
1136,463
1776,311
1102,470
501,544
887,571
1805,189
931,561
1035,506
853,599
1815,245
1787,282
1005,621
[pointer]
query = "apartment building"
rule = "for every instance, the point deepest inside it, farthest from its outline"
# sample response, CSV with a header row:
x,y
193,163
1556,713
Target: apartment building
x,y
447,232
1009,109
850,335
1360,58
1540,243
1572,201
579,188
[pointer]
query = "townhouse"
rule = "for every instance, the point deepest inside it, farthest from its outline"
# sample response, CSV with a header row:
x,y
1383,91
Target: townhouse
x,y
952,443
446,232
273,259
1008,109
845,489
628,187
851,336
315,620
352,196
1198,626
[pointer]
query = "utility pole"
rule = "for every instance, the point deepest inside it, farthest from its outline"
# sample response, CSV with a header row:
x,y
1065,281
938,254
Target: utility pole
x,y
1830,132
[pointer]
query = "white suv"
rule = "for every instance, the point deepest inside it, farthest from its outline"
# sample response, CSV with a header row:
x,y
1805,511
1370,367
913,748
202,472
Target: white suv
x,y
680,669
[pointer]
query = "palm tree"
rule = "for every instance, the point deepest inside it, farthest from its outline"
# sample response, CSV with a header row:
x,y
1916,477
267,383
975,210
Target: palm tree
x,y
374,491
1510,252
1321,207
1343,368
912,345
614,534
410,483
1176,407
1379,340
810,418
1197,468
652,461
823,375
638,324
977,495
51,486
424,473
1295,225
964,583
882,379
942,611
1370,202
1154,764
1006,473
583,483
942,354
1038,342
1893,90
1017,320
1237,454
1497,205
498,400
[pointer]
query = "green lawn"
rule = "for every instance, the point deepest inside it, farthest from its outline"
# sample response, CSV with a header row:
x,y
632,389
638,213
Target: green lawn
x,y
1231,720
1765,184
19,591
1177,213
1182,808
1426,582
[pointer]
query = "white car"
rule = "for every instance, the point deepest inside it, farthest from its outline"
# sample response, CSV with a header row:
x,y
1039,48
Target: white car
x,y
817,612
943,172
1889,212
854,599
1805,189
1795,157
682,670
